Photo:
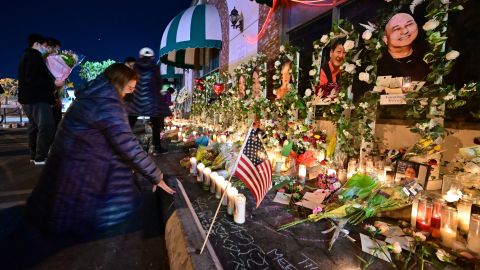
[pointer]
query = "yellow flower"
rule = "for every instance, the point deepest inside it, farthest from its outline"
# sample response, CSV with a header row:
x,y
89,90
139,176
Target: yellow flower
x,y
426,142
317,137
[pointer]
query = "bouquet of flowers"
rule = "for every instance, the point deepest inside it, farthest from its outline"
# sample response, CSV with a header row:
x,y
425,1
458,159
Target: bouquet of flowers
x,y
61,63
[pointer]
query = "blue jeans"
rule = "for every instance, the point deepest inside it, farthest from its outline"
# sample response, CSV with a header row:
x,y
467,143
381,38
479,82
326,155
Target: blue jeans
x,y
41,129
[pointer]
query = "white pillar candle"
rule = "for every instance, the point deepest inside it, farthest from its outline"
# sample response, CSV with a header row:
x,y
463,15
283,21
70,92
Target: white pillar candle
x,y
225,185
218,190
206,178
302,173
231,193
239,212
278,167
193,167
200,168
213,182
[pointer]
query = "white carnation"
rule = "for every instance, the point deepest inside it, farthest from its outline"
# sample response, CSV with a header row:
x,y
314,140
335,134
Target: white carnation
x,y
324,39
348,45
367,34
431,24
312,72
277,63
308,92
282,48
248,92
452,55
364,77
397,249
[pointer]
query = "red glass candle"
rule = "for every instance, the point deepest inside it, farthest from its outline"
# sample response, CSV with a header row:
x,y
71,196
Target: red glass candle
x,y
436,217
424,215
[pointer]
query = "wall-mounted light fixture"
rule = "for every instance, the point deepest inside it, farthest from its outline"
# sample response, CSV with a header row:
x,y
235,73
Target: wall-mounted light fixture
x,y
236,19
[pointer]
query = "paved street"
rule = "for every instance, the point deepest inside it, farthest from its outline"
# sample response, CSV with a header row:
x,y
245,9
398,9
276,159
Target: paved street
x,y
136,244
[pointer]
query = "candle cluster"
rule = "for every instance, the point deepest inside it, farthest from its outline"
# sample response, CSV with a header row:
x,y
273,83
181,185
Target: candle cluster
x,y
216,184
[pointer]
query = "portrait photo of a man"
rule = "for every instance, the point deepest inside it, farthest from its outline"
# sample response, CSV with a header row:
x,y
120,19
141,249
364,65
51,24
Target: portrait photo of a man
x,y
402,57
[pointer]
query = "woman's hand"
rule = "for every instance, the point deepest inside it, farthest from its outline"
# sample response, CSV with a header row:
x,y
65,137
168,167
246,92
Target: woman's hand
x,y
164,186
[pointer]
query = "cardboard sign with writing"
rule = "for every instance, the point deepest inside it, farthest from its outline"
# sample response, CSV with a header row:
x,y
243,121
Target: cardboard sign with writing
x,y
398,99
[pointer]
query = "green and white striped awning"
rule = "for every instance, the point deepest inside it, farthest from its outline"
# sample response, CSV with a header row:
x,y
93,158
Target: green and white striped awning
x,y
169,72
189,37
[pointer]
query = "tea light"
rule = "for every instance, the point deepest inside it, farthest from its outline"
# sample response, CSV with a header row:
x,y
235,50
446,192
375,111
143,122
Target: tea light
x,y
302,173
239,212
200,168
464,208
232,192
473,243
413,217
206,178
225,185
193,166
424,215
448,231
213,181
218,190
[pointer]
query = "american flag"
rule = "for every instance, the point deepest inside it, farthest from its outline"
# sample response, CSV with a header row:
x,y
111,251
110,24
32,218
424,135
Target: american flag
x,y
254,168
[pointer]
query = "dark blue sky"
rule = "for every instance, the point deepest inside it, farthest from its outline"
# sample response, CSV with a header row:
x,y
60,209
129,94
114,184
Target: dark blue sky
x,y
98,29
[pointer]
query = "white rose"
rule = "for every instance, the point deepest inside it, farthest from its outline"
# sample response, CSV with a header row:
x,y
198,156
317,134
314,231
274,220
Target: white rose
x,y
312,72
275,92
420,236
350,68
364,77
275,77
367,34
282,48
348,45
431,24
249,69
324,39
248,92
396,248
277,63
308,92
452,55
261,79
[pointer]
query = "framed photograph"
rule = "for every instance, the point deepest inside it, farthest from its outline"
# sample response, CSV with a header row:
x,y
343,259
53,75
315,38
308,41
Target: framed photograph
x,y
409,170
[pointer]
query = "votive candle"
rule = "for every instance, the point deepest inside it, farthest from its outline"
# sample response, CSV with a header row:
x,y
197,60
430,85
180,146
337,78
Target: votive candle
x,y
213,181
200,168
473,243
435,223
225,185
448,231
193,166
239,212
206,178
413,217
424,215
218,190
232,192
464,208
302,173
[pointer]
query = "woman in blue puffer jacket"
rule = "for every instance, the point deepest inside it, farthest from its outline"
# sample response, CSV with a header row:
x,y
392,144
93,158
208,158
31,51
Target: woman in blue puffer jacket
x,y
88,184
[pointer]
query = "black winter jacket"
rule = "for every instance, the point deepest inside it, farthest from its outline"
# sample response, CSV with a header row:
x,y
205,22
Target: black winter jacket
x,y
35,82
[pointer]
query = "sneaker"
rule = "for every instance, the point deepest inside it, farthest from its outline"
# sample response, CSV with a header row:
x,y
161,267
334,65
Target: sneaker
x,y
39,162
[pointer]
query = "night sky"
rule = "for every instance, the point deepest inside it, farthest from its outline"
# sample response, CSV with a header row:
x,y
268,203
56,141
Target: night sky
x,y
100,30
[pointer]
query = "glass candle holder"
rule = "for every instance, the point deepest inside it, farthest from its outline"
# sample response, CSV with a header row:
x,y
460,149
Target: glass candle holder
x,y
448,230
193,166
302,173
473,243
464,209
200,168
206,178
435,223
413,217
213,181
424,215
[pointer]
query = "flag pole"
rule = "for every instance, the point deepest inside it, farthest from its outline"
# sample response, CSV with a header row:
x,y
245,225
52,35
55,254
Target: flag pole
x,y
228,184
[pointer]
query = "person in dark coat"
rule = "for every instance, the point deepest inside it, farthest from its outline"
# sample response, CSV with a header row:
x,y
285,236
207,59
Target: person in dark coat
x,y
147,100
36,87
88,184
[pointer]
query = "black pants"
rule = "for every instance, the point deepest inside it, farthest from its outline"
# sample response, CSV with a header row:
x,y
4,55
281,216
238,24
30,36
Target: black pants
x,y
41,129
158,124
